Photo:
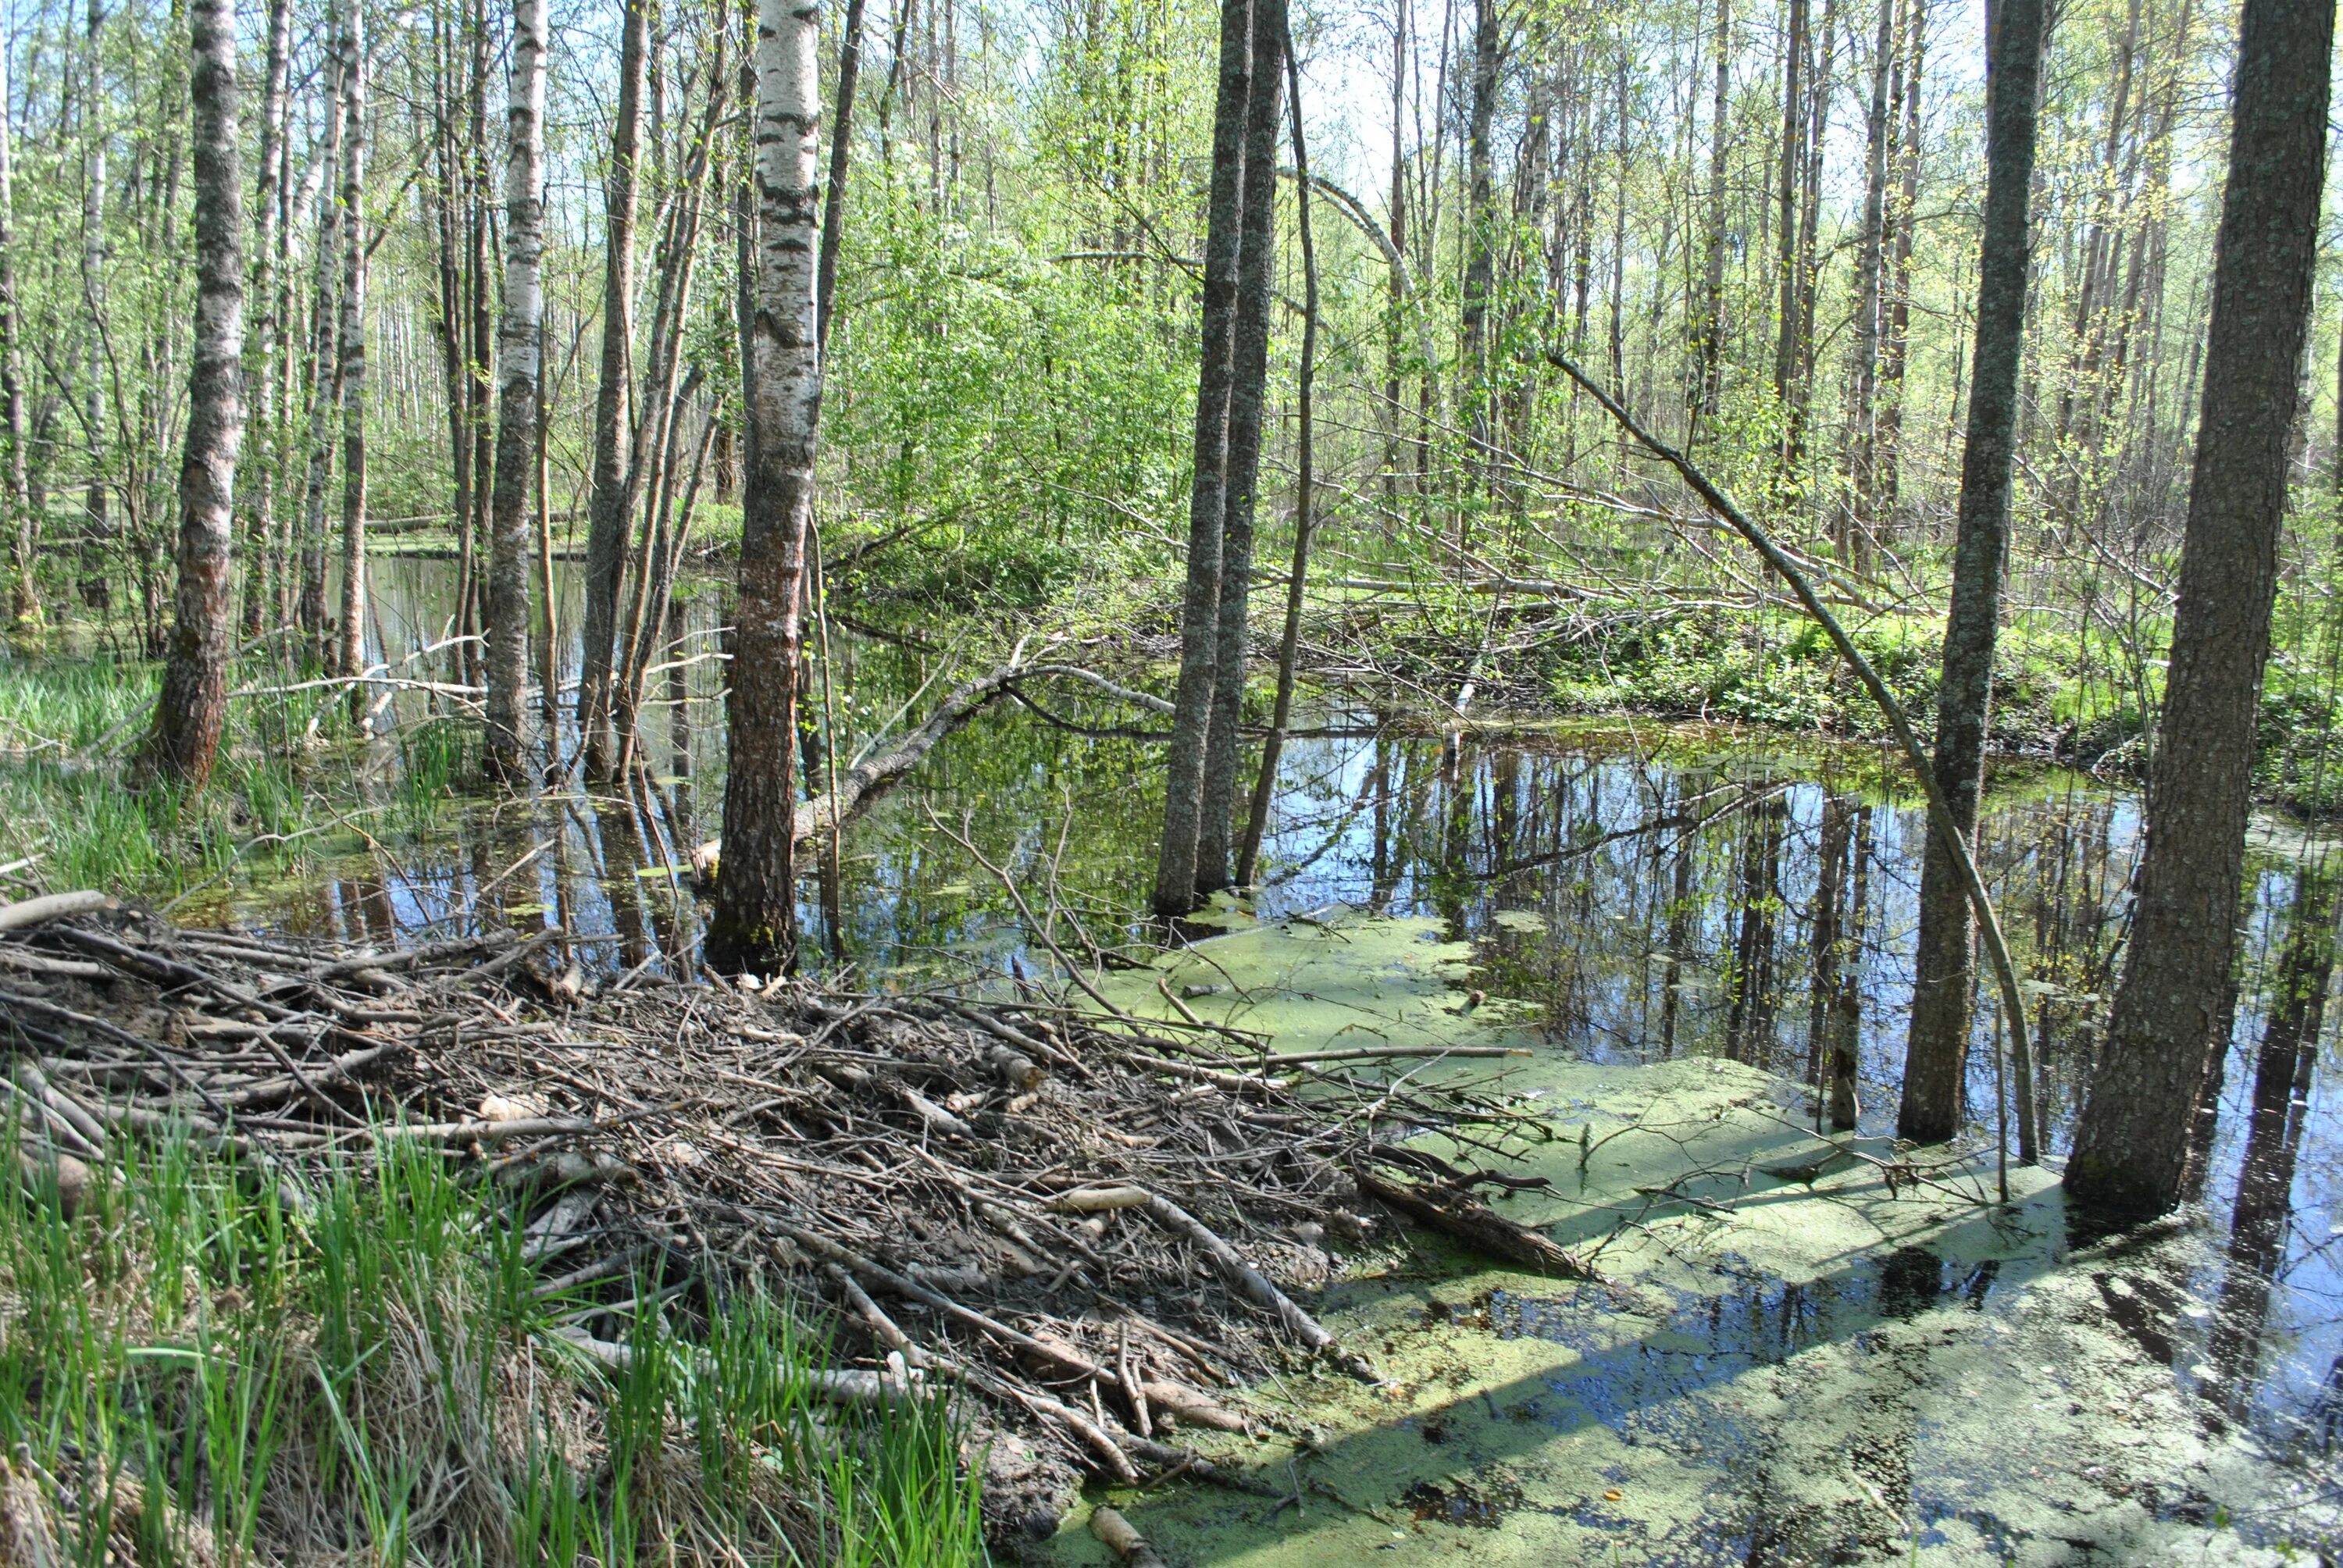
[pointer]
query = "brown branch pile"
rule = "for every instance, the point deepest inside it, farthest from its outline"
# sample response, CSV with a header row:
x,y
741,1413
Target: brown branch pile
x,y
1098,1233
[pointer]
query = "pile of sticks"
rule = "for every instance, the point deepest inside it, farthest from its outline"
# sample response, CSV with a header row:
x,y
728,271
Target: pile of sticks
x,y
1096,1230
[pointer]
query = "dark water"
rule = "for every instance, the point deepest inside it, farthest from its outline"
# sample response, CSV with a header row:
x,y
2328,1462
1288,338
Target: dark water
x,y
1655,891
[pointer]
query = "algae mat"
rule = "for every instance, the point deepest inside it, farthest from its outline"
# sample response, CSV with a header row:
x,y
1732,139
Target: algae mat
x,y
1806,1353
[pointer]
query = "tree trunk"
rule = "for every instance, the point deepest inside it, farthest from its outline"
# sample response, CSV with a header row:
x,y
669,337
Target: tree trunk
x,y
1862,439
1256,267
2176,985
1305,517
1708,341
1183,791
1887,448
1480,232
518,368
194,703
24,523
754,927
351,657
1392,408
93,271
607,511
1786,201
324,389
841,149
1944,972
260,380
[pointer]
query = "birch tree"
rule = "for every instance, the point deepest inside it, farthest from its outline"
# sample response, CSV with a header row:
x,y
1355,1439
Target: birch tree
x,y
754,927
24,524
260,381
349,657
194,705
519,343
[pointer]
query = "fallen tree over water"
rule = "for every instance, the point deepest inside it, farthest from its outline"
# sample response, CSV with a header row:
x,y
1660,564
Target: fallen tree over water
x,y
871,775
1097,1232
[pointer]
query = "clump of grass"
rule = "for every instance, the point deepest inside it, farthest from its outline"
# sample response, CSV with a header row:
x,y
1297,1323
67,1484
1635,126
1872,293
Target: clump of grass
x,y
192,1371
434,756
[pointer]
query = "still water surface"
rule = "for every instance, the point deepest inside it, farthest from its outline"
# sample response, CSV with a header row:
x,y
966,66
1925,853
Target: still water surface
x,y
1651,893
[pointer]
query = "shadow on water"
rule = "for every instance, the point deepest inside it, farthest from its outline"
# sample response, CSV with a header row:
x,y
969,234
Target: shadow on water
x,y
1649,894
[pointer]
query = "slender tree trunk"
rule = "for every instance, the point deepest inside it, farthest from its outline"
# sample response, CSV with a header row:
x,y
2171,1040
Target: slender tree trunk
x,y
606,512
1943,974
842,150
260,484
1889,446
23,522
1256,267
1786,201
1480,229
549,644
194,705
1393,410
2175,991
518,370
92,270
1863,438
472,592
1708,341
1183,792
754,926
351,658
324,367
1305,517
1821,72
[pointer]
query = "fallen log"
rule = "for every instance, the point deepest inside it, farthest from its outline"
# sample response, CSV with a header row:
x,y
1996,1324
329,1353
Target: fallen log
x,y
1129,1547
863,783
29,912
1468,1220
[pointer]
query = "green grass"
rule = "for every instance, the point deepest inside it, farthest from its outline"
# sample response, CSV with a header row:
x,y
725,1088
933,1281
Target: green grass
x,y
70,727
194,1371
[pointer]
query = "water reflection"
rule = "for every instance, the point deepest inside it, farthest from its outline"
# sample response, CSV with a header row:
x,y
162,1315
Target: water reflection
x,y
1651,893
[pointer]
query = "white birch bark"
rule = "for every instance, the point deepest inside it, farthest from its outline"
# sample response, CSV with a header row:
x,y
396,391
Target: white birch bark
x,y
190,716
350,654
518,340
24,530
755,923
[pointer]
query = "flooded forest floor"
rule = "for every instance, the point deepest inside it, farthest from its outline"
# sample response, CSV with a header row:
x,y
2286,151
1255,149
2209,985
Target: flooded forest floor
x,y
1801,1349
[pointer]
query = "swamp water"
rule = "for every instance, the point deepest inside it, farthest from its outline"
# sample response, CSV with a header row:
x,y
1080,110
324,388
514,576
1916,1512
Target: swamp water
x,y
1795,1361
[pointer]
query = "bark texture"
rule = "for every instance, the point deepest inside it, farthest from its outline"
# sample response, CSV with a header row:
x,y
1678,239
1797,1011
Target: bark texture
x,y
1945,970
841,149
607,511
349,656
23,525
259,484
325,396
518,368
1248,391
2171,1006
1183,792
194,704
754,927
1305,515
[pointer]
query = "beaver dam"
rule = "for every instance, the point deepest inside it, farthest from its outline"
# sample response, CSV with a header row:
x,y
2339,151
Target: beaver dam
x,y
1284,1247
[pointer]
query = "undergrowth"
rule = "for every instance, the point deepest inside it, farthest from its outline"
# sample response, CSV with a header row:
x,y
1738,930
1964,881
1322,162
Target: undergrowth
x,y
196,1370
